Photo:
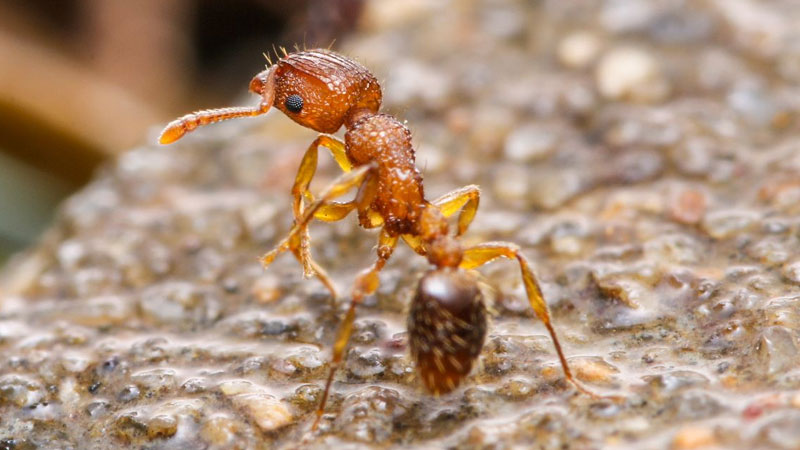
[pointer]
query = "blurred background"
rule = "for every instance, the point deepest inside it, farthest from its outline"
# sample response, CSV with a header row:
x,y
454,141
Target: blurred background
x,y
82,80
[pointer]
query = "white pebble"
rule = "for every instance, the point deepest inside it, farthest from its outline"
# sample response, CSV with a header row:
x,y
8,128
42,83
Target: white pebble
x,y
631,74
578,50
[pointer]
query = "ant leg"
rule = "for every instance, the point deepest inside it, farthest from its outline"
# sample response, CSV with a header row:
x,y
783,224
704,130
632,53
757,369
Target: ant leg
x,y
481,254
334,211
358,177
326,213
339,187
300,192
321,274
368,218
465,199
366,283
416,244
308,166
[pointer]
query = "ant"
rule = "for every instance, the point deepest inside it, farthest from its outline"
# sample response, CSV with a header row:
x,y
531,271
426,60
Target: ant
x,y
447,324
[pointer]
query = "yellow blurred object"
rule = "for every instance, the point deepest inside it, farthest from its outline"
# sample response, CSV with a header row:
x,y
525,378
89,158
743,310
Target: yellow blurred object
x,y
80,119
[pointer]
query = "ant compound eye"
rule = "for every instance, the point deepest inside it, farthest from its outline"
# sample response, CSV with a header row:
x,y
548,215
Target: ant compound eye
x,y
294,103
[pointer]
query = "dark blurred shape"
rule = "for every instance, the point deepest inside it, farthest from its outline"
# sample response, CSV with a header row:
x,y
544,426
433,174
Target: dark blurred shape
x,y
84,79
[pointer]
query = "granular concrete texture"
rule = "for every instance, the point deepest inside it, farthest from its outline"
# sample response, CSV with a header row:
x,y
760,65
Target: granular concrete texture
x,y
645,155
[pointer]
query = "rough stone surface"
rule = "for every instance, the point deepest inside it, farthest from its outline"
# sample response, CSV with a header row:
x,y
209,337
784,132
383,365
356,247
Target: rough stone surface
x,y
662,215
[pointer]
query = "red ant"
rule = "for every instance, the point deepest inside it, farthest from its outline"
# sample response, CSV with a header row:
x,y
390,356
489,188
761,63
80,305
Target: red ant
x,y
323,90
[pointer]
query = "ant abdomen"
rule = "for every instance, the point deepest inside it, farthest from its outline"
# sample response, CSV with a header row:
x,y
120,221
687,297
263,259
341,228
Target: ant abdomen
x,y
447,326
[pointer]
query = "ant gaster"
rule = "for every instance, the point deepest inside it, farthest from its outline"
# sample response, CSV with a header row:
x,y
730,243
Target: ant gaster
x,y
447,323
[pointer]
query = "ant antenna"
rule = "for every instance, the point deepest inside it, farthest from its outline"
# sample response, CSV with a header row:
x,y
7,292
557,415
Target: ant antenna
x,y
177,128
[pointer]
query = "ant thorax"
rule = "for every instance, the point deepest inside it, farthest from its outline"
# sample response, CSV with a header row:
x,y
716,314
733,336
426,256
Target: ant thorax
x,y
382,140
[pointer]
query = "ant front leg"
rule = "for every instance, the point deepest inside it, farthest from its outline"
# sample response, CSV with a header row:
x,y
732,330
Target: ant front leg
x,y
301,193
466,200
308,166
481,254
366,283
325,209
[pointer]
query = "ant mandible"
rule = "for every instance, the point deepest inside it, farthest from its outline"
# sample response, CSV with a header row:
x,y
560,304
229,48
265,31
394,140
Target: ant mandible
x,y
323,90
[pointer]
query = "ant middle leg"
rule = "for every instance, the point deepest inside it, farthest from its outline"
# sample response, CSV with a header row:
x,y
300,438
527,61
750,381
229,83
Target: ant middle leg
x,y
484,253
466,200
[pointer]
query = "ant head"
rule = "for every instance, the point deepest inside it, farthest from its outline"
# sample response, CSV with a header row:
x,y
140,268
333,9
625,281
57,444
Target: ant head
x,y
446,327
318,89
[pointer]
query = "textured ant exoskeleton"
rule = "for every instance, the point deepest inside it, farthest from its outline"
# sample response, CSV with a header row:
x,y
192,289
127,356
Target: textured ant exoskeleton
x,y
447,323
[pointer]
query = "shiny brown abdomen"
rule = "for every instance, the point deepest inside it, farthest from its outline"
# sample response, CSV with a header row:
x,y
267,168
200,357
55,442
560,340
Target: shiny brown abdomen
x,y
381,139
446,328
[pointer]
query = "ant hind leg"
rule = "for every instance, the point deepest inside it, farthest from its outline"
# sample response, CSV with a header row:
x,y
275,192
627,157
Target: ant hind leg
x,y
466,200
484,253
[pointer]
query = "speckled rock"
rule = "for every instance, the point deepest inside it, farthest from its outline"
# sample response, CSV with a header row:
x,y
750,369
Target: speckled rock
x,y
643,154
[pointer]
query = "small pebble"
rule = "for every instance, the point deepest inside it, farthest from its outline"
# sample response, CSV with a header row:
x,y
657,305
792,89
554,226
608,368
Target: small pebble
x,y
688,206
162,426
776,350
594,370
791,270
220,429
725,224
517,389
530,143
631,74
20,391
694,437
578,50
264,409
